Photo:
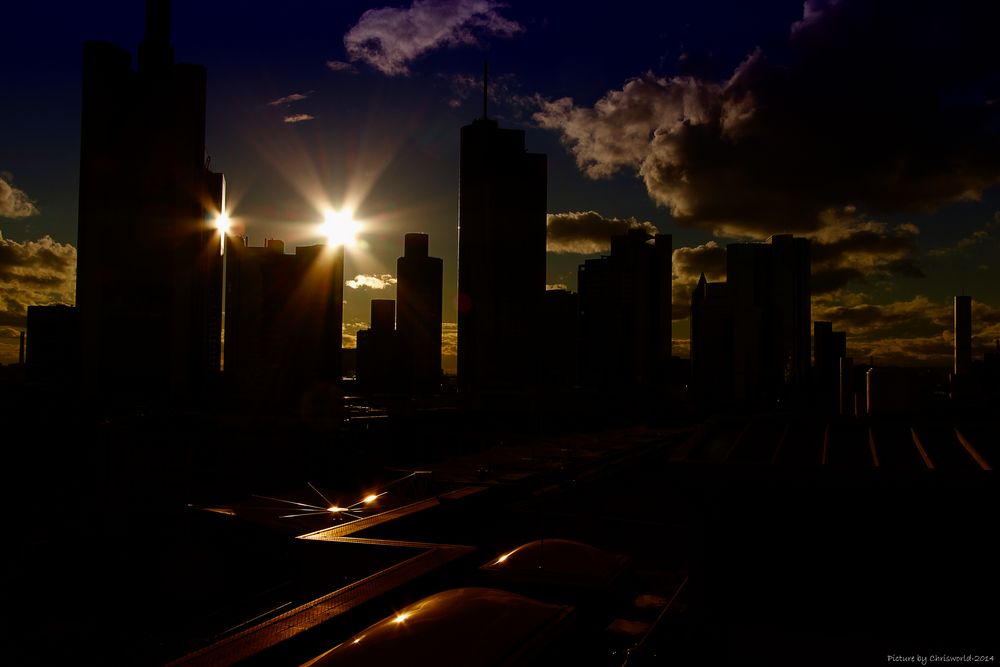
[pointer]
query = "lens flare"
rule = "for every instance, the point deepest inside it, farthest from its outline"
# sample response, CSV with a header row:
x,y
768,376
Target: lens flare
x,y
340,228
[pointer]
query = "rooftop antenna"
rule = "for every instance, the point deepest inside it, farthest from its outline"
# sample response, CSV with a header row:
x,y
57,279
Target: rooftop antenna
x,y
486,78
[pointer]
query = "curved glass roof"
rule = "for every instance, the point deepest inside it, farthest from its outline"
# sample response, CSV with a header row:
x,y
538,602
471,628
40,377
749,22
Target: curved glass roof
x,y
557,561
464,626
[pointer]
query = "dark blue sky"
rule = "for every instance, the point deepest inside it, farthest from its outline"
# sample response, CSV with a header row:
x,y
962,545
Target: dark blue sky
x,y
396,134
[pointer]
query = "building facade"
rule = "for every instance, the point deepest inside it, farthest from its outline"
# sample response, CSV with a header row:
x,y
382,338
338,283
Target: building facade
x,y
501,258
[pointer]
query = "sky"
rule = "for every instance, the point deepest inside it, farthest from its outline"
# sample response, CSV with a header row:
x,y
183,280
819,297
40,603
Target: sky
x,y
872,127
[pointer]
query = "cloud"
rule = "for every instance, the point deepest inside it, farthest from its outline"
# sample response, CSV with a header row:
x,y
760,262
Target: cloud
x,y
883,105
915,331
287,99
381,281
14,203
504,92
989,232
390,38
688,264
298,118
587,232
341,66
349,333
849,247
33,273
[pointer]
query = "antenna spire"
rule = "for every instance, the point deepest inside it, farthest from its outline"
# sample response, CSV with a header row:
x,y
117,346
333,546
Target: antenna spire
x,y
486,78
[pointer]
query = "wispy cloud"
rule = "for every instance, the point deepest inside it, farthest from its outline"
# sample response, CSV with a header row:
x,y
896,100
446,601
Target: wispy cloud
x,y
341,66
287,99
14,203
298,118
390,38
990,231
380,281
587,232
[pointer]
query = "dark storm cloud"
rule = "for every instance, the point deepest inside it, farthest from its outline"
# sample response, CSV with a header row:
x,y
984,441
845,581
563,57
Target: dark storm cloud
x,y
588,232
709,258
847,248
390,38
884,105
850,248
688,264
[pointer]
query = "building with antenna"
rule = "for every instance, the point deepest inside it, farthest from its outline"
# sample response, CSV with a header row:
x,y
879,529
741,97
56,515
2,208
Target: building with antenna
x,y
501,257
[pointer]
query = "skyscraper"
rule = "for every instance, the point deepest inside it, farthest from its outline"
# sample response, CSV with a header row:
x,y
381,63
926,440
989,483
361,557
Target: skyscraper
x,y
418,317
829,347
501,258
750,336
963,335
711,342
625,312
284,316
377,368
148,269
770,298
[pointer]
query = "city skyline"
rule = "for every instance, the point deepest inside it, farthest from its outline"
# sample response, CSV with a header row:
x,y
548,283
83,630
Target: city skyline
x,y
384,128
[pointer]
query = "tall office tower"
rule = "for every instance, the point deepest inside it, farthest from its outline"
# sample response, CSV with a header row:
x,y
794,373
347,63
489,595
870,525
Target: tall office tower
x,y
283,320
829,347
963,335
418,318
711,343
377,368
501,258
625,317
559,338
770,298
148,249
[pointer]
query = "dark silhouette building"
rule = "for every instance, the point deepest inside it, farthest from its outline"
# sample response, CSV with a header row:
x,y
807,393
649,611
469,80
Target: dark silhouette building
x,y
501,258
770,298
625,317
559,334
378,349
149,269
711,343
51,344
829,347
750,339
963,335
419,284
283,319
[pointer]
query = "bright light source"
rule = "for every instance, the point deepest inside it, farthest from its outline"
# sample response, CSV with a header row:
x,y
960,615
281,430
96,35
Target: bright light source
x,y
401,617
340,227
503,558
222,222
371,498
333,509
